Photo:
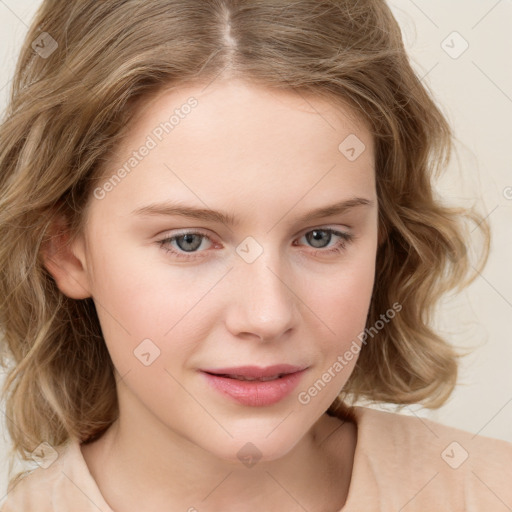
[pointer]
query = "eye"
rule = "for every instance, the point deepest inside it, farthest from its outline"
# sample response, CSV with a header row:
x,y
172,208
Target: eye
x,y
321,239
186,245
189,242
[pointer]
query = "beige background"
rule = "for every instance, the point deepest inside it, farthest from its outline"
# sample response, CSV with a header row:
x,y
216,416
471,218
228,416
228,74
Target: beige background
x,y
475,91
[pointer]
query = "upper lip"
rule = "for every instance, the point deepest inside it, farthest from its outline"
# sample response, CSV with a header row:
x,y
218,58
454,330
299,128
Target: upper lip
x,y
257,372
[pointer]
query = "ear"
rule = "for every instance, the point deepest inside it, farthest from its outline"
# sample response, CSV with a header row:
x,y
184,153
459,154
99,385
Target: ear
x,y
65,261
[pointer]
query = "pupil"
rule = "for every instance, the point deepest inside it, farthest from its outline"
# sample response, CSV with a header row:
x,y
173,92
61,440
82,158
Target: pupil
x,y
319,238
186,242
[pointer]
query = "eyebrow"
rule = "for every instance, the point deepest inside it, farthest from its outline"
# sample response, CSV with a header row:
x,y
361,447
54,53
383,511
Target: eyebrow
x,y
170,208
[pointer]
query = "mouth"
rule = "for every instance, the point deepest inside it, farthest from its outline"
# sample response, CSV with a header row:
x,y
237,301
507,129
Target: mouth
x,y
251,373
242,377
255,386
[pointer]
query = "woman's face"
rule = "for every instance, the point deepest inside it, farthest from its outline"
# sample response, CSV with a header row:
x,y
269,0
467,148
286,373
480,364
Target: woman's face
x,y
218,244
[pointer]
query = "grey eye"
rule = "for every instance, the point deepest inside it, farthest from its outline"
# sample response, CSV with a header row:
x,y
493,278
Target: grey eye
x,y
319,238
189,242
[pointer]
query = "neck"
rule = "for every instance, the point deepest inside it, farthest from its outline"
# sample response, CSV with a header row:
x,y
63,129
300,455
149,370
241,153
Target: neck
x,y
161,470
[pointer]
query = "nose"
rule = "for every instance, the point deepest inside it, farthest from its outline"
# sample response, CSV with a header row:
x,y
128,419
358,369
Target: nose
x,y
262,304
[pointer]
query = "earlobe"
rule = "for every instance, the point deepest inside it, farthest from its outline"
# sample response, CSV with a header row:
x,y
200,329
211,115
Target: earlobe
x,y
65,261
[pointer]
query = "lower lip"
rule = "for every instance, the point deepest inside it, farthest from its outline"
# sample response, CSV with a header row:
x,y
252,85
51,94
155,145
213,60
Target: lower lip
x,y
255,393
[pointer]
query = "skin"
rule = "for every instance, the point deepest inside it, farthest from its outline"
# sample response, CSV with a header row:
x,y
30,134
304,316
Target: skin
x,y
267,158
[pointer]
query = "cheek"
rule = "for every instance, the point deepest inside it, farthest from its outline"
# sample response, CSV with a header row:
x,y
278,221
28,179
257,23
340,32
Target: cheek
x,y
342,304
343,300
137,302
138,288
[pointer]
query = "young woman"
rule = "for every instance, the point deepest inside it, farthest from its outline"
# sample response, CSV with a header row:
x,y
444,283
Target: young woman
x,y
219,232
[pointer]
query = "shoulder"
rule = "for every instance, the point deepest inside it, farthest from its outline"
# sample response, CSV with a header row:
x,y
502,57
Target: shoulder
x,y
431,464
61,482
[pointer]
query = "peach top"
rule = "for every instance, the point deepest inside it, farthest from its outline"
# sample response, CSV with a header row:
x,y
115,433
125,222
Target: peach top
x,y
401,463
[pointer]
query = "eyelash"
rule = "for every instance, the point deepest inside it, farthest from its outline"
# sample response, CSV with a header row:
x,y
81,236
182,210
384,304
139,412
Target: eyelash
x,y
345,239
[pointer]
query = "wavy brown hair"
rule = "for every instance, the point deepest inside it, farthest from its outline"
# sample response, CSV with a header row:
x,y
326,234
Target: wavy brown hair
x,y
67,112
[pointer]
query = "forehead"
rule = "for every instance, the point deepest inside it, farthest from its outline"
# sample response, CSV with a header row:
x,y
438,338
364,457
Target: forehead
x,y
223,105
234,140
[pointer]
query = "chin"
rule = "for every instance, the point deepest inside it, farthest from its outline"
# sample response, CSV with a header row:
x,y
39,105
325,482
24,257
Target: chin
x,y
250,449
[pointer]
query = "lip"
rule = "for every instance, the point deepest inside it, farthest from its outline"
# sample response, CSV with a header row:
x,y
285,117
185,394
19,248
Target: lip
x,y
255,393
256,372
